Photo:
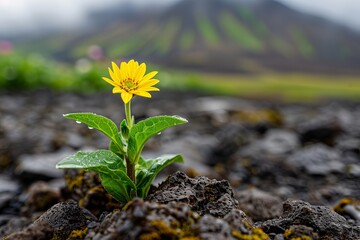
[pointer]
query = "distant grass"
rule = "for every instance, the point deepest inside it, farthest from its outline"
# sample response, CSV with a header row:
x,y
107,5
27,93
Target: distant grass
x,y
304,45
207,30
287,87
239,33
125,47
19,72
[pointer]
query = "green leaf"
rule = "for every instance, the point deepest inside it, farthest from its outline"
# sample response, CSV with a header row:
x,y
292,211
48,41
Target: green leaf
x,y
143,130
119,185
111,169
124,129
116,149
92,160
101,123
147,170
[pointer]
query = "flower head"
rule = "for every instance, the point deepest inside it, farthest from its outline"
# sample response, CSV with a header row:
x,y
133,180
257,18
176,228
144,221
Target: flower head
x,y
129,79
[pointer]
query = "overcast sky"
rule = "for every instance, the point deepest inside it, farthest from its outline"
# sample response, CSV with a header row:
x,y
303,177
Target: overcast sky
x,y
19,16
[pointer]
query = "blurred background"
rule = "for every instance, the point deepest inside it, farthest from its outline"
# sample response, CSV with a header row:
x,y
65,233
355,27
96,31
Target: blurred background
x,y
271,89
282,49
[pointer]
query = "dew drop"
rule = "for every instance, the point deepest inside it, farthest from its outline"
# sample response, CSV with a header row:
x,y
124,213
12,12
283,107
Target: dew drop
x,y
90,128
159,133
180,118
78,122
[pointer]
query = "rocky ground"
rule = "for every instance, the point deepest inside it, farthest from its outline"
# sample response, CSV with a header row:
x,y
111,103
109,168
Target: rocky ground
x,y
253,170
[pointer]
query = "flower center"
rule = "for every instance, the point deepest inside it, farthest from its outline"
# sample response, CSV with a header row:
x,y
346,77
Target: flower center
x,y
129,84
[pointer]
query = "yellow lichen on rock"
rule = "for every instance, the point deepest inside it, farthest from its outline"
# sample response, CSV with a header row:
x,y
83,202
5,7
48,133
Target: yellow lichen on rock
x,y
77,234
161,230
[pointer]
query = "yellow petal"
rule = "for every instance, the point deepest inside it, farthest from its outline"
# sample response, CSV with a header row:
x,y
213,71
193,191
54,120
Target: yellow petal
x,y
110,81
136,64
149,76
124,69
140,72
116,70
142,94
115,67
132,69
122,74
148,83
150,89
113,76
117,90
126,97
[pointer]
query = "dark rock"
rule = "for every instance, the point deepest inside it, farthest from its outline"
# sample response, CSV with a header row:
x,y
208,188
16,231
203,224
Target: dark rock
x,y
321,128
213,228
348,144
300,232
260,119
8,185
237,218
279,141
229,140
327,223
12,224
317,160
146,220
40,197
201,193
276,143
175,220
36,231
59,221
259,205
194,149
5,198
85,187
65,215
40,167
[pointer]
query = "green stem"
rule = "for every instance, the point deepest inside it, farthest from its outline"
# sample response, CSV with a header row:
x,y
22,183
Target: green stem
x,y
130,167
130,170
128,114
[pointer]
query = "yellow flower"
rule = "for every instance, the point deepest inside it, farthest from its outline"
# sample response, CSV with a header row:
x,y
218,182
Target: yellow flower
x,y
129,79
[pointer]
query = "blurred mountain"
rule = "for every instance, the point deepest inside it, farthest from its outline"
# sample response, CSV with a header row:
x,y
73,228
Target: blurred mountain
x,y
218,35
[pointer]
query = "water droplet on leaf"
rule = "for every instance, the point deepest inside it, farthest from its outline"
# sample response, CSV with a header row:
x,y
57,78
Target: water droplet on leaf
x,y
78,122
90,128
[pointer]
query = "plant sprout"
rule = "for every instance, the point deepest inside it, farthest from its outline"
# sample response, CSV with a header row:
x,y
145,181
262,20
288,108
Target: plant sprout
x,y
124,173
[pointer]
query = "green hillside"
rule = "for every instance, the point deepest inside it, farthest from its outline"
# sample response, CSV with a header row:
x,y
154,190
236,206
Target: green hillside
x,y
221,36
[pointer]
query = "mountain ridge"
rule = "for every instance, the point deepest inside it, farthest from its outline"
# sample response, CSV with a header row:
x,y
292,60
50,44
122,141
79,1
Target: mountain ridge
x,y
220,35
